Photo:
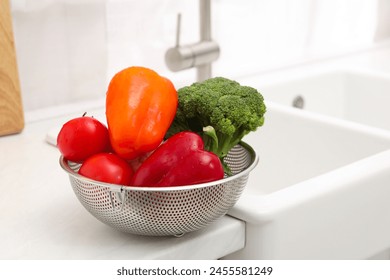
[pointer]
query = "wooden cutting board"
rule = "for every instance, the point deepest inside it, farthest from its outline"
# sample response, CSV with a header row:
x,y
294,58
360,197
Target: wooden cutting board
x,y
11,109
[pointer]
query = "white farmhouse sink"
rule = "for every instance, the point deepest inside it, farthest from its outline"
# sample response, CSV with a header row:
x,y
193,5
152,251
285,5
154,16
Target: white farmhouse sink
x,y
321,189
353,95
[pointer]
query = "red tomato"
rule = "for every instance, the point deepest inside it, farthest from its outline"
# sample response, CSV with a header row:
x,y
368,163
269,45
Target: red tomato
x,y
81,138
108,168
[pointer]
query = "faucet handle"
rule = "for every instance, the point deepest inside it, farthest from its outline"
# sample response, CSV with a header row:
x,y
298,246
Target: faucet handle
x,y
178,28
183,57
178,58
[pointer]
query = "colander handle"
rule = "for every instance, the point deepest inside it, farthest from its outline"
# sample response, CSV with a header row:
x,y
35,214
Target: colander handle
x,y
115,196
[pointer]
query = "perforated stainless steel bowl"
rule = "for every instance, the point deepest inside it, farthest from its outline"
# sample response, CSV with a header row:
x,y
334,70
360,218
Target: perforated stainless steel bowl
x,y
164,211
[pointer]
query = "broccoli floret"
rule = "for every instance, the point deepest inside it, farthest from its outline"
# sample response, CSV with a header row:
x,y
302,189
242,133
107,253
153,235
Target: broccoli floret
x,y
221,111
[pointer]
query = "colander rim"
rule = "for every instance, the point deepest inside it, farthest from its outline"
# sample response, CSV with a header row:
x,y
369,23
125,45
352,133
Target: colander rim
x,y
254,161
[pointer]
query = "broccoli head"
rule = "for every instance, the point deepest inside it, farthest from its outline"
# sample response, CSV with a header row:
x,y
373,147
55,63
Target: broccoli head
x,y
221,111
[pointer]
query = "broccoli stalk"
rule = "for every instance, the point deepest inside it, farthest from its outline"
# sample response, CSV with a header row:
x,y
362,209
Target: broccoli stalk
x,y
219,143
221,111
211,143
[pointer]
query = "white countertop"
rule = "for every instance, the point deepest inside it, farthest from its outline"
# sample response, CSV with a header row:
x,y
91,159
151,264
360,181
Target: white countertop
x,y
41,217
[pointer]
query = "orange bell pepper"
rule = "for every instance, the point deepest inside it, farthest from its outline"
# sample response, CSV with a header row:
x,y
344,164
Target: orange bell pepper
x,y
140,107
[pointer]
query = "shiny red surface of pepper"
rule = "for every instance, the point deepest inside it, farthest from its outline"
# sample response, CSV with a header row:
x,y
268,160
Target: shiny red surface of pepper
x,y
179,161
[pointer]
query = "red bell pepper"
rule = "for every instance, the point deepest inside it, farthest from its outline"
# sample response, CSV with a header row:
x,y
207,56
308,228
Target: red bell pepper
x,y
179,161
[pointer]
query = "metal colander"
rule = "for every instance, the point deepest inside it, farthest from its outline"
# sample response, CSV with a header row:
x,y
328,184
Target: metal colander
x,y
164,211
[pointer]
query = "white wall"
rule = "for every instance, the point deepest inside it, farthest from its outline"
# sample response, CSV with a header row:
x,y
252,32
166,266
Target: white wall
x,y
69,49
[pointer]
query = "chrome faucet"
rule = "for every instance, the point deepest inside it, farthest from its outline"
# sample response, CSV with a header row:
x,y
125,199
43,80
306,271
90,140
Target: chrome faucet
x,y
199,55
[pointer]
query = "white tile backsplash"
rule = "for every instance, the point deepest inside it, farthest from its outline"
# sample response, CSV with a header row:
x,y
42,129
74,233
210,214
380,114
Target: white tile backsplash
x,y
61,51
